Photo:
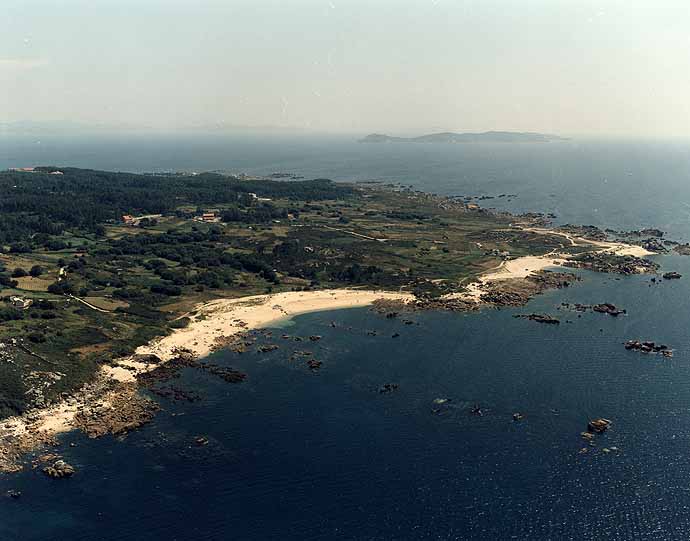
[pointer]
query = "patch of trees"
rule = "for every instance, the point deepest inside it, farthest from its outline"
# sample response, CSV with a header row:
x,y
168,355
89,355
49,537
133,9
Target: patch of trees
x,y
64,287
358,274
83,198
262,213
11,314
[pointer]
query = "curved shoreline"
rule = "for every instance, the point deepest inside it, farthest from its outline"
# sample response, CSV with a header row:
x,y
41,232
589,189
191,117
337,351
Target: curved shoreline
x,y
215,322
223,318
116,385
522,267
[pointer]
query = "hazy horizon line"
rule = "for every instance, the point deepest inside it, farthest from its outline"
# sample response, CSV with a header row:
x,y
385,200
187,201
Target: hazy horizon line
x,y
71,128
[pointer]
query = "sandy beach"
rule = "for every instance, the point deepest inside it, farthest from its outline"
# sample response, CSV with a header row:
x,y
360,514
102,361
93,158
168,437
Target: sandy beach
x,y
214,321
522,267
211,321
225,317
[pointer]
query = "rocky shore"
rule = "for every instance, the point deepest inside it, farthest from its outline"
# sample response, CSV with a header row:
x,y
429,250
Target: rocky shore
x,y
113,403
611,263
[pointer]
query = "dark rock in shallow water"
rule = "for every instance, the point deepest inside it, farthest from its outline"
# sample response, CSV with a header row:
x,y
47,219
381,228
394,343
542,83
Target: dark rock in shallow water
x,y
649,347
598,425
313,364
175,393
388,388
608,308
540,318
267,348
201,441
14,494
315,338
225,373
477,410
673,275
59,470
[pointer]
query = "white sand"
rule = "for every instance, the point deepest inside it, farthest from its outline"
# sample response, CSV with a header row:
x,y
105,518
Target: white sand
x,y
522,267
216,319
226,317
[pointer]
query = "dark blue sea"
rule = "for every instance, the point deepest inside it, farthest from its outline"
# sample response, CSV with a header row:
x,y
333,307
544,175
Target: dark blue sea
x,y
609,183
296,454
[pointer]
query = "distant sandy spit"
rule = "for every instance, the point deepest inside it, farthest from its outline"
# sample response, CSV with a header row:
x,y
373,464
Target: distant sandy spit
x,y
522,267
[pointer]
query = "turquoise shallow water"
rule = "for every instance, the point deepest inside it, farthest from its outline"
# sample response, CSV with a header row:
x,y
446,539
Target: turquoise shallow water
x,y
301,455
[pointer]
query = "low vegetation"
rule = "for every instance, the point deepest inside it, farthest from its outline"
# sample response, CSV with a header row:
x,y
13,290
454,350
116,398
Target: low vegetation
x,y
80,287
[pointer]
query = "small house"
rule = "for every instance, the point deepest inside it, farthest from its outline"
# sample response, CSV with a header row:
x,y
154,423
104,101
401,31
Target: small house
x,y
20,302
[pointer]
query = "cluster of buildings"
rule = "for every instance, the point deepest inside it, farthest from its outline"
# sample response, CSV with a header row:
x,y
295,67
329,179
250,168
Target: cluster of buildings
x,y
208,217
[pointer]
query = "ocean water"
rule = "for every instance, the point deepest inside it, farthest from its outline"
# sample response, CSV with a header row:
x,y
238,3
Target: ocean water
x,y
299,455
618,184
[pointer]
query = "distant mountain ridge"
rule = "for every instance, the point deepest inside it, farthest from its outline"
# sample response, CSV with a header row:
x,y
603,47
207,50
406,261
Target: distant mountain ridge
x,y
450,137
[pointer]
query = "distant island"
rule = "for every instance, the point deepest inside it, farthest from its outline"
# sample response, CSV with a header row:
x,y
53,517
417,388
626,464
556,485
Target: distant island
x,y
450,137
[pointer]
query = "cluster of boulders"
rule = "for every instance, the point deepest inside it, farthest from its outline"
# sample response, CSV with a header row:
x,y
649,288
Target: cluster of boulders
x,y
314,365
600,262
608,308
682,249
590,232
598,426
653,245
649,347
595,426
672,275
518,292
175,393
201,441
59,470
226,373
237,343
388,388
124,410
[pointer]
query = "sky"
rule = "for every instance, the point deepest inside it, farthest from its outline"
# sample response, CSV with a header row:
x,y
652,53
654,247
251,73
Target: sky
x,y
400,67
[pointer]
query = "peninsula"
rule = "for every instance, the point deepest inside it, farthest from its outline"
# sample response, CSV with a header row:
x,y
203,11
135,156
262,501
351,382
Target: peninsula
x,y
106,277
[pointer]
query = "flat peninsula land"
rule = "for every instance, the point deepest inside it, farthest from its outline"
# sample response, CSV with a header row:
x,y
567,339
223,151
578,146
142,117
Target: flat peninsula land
x,y
111,282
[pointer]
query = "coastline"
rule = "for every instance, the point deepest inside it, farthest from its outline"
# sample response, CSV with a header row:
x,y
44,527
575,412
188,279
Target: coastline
x,y
116,386
525,266
222,318
112,397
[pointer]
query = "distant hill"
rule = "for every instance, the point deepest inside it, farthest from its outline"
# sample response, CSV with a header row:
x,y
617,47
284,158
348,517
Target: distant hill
x,y
450,137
